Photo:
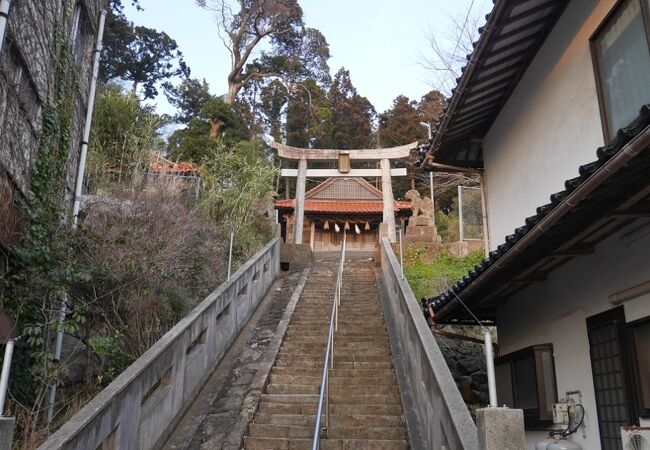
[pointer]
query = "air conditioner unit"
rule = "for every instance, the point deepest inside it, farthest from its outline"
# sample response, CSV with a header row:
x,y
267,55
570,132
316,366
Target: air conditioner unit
x,y
635,438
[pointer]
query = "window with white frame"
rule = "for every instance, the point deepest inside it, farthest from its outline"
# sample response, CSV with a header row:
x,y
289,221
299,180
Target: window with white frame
x,y
621,53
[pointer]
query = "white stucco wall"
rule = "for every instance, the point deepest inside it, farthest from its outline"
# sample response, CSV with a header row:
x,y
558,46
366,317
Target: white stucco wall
x,y
549,127
555,312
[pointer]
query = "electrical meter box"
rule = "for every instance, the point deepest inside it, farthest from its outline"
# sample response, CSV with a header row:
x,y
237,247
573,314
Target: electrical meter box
x,y
561,413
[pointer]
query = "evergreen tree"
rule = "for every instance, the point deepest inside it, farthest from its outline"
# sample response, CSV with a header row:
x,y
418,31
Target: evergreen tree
x,y
142,56
400,125
352,114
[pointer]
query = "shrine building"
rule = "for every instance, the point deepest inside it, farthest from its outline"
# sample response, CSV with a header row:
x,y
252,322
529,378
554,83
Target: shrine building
x,y
337,205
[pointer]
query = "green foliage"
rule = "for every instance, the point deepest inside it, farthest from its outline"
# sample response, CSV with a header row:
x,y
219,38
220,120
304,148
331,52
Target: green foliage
x,y
189,98
401,124
193,143
111,350
427,279
309,116
140,55
124,132
237,180
352,115
42,268
448,223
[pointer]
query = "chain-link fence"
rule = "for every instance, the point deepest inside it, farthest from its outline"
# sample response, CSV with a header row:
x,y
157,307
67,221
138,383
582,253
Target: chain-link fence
x,y
470,211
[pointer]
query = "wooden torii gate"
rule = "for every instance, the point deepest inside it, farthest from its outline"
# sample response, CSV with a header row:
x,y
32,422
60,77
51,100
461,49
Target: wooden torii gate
x,y
383,155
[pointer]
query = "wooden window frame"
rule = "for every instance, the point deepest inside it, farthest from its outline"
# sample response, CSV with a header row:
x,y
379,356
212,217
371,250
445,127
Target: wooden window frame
x,y
540,416
633,364
595,56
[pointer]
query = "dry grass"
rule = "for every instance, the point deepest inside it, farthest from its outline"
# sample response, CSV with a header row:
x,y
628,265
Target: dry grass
x,y
162,254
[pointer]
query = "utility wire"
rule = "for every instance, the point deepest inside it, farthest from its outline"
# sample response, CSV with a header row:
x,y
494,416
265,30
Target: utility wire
x,y
469,310
462,31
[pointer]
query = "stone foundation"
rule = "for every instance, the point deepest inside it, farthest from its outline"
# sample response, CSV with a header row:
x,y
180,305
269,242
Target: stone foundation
x,y
421,229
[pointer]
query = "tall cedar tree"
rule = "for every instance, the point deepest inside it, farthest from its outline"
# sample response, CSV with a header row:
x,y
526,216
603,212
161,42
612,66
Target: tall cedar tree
x,y
309,117
400,124
140,55
188,98
352,114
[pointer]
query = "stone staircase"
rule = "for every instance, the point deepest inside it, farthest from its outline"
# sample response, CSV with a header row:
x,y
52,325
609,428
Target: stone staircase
x,y
365,408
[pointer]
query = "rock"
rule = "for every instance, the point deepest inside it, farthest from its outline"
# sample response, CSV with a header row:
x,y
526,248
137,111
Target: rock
x,y
469,395
470,365
75,354
479,378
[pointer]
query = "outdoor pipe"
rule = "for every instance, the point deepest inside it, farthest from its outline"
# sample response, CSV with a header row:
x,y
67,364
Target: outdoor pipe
x,y
4,17
4,377
78,188
489,363
89,118
629,151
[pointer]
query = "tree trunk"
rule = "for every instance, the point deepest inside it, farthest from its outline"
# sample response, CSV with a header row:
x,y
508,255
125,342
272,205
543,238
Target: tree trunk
x,y
233,90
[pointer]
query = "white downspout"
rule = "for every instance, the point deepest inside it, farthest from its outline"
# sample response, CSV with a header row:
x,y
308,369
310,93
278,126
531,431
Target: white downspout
x,y
78,187
89,118
4,17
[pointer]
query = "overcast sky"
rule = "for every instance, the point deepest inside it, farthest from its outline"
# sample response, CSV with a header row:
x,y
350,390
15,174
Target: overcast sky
x,y
379,41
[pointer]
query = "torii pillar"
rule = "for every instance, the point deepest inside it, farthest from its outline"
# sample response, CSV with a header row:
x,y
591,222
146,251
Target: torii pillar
x,y
383,155
387,195
299,209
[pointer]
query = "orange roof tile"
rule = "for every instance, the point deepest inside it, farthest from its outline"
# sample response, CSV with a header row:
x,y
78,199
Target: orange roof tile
x,y
349,207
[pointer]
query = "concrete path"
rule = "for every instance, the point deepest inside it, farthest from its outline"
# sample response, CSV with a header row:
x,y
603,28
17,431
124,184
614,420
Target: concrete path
x,y
219,417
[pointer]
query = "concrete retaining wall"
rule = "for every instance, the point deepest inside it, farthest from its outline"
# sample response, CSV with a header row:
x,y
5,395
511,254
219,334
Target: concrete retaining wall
x,y
139,410
436,415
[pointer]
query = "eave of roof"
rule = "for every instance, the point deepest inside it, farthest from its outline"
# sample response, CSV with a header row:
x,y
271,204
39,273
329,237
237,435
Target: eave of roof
x,y
342,206
609,193
512,36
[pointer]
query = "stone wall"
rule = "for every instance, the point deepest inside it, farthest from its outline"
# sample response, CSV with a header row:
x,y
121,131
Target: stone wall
x,y
28,81
436,415
466,361
141,407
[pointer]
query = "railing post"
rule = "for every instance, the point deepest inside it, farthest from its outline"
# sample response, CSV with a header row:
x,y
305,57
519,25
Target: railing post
x,y
232,238
4,377
401,252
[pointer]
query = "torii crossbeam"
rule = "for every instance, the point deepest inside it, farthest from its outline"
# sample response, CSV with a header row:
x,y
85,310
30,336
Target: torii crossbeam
x,y
383,155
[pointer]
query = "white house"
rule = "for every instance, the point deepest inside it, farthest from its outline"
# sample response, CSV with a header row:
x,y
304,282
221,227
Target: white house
x,y
551,105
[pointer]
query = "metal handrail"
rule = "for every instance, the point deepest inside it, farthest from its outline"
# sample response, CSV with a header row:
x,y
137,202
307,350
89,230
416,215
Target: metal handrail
x,y
328,361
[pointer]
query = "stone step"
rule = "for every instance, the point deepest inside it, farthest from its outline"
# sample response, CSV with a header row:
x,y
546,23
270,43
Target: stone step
x,y
334,373
336,420
277,388
359,330
335,409
318,363
333,432
284,358
261,443
343,321
334,381
352,341
335,399
309,349
368,348
322,337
